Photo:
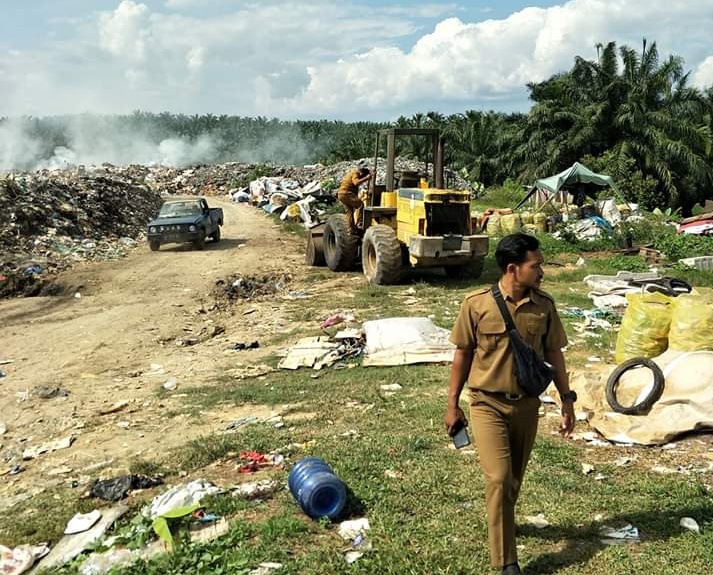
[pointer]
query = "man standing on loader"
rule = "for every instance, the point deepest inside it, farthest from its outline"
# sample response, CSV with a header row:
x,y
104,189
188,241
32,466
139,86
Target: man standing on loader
x,y
349,195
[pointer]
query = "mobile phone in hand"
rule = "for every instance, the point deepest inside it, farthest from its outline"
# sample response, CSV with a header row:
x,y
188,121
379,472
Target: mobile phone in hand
x,y
461,437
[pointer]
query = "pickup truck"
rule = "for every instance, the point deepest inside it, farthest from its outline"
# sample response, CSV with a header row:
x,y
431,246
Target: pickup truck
x,y
185,220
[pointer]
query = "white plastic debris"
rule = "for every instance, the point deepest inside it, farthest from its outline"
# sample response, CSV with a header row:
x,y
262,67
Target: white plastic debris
x,y
82,522
623,536
265,568
587,468
390,387
180,496
690,524
170,384
350,530
538,521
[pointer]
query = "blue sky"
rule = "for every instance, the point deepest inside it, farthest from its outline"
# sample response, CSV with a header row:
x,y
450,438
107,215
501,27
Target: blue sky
x,y
317,59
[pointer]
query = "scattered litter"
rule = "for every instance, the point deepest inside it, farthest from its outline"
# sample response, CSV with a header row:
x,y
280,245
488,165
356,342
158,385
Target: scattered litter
x,y
690,524
82,522
548,399
21,558
251,371
254,461
227,292
72,545
33,452
241,346
351,529
622,461
118,406
47,392
100,563
297,295
318,352
170,384
587,468
3,428
238,423
2,374
265,568
538,521
390,387
6,361
625,535
336,320
600,477
117,488
180,496
256,489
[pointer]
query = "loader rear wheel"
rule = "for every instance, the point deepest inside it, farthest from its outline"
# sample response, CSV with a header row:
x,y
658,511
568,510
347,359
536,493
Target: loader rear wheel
x,y
340,247
472,269
314,254
381,255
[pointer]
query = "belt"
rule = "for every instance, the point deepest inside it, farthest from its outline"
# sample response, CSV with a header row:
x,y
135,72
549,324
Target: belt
x,y
502,394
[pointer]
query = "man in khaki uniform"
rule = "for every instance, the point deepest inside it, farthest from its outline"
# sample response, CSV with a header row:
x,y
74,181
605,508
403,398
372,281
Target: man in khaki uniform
x,y
504,419
348,194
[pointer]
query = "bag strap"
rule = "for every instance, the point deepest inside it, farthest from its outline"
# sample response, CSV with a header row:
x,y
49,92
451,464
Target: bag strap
x,y
504,311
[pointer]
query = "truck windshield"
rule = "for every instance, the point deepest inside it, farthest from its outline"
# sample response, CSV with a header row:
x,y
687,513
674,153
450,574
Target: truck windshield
x,y
179,210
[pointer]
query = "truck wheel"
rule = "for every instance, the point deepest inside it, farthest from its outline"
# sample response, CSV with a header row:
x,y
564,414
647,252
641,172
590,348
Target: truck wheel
x,y
340,247
473,269
154,245
381,255
216,235
199,242
314,254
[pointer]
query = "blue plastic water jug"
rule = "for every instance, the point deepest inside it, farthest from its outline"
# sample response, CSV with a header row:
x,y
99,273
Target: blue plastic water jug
x,y
317,488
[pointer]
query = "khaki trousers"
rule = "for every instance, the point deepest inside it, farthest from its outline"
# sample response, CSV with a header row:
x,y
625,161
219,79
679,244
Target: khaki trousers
x,y
504,432
353,208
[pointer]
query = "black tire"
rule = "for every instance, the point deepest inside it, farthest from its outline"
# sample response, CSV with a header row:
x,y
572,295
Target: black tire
x,y
340,247
154,245
215,236
647,403
381,255
473,269
314,254
199,242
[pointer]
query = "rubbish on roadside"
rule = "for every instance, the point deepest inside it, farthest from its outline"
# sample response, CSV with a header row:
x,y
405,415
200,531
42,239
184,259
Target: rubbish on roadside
x,y
113,408
405,340
161,526
255,489
117,488
187,341
33,452
690,524
538,521
242,346
72,545
3,428
253,461
318,352
82,522
587,468
47,392
390,387
265,568
317,489
180,496
704,263
6,361
100,563
623,536
170,384
251,371
2,374
351,529
622,461
238,423
609,292
21,558
228,291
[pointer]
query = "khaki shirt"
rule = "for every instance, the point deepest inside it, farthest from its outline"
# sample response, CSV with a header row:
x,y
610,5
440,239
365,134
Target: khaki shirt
x,y
349,183
480,327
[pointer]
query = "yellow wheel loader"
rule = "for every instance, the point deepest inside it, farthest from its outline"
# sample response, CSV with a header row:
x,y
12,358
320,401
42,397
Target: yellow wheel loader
x,y
410,221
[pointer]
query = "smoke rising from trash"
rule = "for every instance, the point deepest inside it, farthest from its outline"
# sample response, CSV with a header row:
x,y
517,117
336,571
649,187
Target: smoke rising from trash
x,y
28,144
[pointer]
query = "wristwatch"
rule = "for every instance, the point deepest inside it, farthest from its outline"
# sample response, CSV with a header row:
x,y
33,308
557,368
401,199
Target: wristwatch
x,y
569,396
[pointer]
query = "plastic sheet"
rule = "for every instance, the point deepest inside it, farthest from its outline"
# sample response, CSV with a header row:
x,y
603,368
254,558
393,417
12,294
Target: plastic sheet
x,y
691,323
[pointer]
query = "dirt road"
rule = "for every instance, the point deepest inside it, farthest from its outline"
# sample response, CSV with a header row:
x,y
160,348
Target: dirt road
x,y
99,339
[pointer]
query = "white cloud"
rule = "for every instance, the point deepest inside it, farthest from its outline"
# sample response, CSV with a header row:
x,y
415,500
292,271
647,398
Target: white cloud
x,y
703,77
325,59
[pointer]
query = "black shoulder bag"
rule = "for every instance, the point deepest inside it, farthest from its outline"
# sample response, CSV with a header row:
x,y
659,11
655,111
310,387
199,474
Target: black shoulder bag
x,y
532,372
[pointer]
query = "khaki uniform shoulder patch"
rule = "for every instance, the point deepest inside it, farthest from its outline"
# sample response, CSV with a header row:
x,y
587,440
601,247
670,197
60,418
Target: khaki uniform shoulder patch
x,y
544,294
477,292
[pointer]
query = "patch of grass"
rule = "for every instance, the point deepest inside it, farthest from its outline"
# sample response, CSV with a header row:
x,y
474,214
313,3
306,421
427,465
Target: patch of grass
x,y
148,468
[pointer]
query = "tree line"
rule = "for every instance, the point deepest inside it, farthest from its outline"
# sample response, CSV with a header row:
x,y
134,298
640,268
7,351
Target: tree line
x,y
627,113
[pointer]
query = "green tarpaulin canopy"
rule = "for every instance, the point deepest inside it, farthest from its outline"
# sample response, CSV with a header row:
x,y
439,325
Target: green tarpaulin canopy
x,y
577,178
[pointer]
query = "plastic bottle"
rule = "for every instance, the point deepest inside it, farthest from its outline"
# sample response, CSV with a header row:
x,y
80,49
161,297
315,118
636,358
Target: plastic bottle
x,y
317,489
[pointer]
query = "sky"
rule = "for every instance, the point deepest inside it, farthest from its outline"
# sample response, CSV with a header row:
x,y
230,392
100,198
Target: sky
x,y
311,59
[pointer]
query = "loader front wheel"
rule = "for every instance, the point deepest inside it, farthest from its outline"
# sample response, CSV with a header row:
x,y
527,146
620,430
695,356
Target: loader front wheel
x,y
340,247
314,254
381,255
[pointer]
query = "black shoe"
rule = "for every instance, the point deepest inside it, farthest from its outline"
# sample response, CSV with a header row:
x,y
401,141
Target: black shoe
x,y
512,569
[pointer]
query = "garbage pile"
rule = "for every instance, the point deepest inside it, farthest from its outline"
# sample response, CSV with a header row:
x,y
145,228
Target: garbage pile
x,y
228,291
54,219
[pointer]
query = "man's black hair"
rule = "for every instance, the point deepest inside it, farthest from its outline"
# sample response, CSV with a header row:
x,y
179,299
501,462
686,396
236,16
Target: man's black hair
x,y
512,249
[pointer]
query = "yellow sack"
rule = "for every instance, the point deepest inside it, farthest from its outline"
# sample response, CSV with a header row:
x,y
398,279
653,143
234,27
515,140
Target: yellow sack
x,y
510,223
692,323
540,222
644,327
493,226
